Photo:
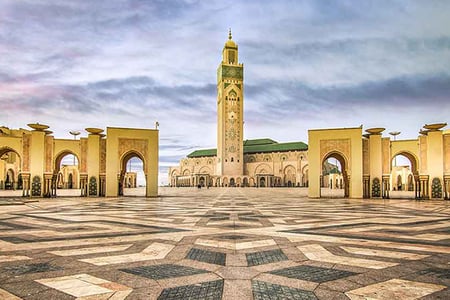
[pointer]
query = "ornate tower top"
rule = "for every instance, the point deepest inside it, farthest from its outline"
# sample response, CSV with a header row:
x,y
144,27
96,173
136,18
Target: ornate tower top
x,y
230,51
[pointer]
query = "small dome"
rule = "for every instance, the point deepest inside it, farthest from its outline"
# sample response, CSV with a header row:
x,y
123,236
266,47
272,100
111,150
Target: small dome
x,y
230,42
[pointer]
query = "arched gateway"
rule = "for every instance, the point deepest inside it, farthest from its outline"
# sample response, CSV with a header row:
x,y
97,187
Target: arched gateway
x,y
369,167
32,160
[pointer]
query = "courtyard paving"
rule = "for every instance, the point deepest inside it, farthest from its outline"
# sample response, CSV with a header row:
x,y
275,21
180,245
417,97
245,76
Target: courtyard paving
x,y
229,243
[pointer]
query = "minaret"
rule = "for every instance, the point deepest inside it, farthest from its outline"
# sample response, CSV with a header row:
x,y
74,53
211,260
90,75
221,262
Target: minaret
x,y
230,112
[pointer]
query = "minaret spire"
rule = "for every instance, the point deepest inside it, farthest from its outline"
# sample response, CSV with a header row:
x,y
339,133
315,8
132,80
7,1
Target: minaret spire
x,y
229,34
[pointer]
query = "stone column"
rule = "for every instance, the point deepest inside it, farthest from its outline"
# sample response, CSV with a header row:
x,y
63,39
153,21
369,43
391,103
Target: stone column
x,y
366,180
26,184
385,186
447,187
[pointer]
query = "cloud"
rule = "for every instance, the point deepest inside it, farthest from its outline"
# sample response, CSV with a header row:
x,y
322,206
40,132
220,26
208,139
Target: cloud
x,y
76,64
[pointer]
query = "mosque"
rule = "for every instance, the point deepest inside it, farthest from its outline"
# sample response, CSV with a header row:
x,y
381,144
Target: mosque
x,y
237,162
365,160
361,165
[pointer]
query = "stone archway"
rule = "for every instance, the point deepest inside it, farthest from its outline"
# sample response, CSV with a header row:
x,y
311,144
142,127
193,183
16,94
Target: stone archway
x,y
289,176
305,176
9,180
173,177
201,181
123,167
413,182
340,157
262,182
346,145
11,164
71,179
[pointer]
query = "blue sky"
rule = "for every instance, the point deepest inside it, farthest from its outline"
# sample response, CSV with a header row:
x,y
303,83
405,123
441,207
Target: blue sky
x,y
307,64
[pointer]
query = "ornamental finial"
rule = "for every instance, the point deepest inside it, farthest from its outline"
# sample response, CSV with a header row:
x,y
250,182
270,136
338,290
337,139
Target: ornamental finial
x,y
229,34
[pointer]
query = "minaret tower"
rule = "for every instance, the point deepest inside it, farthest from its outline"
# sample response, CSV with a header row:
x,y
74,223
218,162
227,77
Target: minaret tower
x,y
230,112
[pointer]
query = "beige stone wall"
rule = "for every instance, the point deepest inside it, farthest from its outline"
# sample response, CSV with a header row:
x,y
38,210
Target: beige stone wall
x,y
124,143
375,158
40,155
366,157
286,166
63,179
423,146
344,142
386,155
447,154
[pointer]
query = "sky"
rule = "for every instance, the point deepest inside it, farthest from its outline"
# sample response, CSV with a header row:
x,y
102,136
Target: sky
x,y
308,64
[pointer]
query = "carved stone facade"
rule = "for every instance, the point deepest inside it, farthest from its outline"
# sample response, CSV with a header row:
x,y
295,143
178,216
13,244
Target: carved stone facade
x,y
342,146
447,154
26,142
427,176
39,171
137,145
423,153
48,153
102,156
386,154
84,156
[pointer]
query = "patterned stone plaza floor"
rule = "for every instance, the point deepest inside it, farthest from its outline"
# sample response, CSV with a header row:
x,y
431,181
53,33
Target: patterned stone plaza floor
x,y
229,243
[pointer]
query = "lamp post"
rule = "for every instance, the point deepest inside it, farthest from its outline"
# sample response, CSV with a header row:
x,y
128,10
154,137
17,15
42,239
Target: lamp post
x,y
74,133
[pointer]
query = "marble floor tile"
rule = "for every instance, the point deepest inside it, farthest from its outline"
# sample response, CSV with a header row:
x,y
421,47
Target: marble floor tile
x,y
319,253
6,258
154,251
383,253
8,296
84,285
91,250
224,243
395,289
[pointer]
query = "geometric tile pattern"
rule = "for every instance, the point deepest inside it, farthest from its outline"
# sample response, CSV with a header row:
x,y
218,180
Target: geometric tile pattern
x,y
268,291
84,285
211,290
319,253
210,257
383,253
154,251
90,250
395,289
310,273
163,271
30,268
234,241
7,296
265,257
235,245
438,272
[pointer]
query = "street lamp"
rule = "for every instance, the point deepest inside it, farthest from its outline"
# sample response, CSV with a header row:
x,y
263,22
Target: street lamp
x,y
394,134
74,133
